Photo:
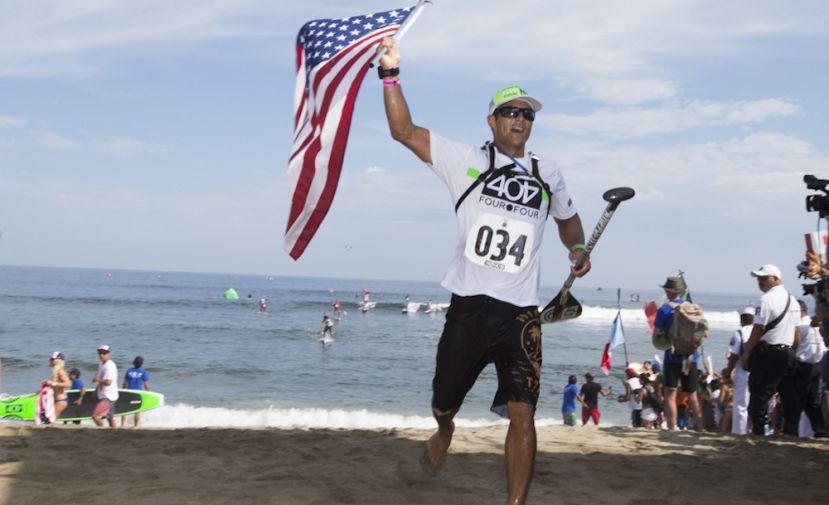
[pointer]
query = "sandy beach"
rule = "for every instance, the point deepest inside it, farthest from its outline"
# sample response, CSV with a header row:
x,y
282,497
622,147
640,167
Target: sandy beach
x,y
574,466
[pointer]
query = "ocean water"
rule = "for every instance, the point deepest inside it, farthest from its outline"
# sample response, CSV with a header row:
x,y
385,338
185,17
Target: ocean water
x,y
221,363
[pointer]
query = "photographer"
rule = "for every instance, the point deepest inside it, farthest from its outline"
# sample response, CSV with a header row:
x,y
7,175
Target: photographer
x,y
813,268
807,379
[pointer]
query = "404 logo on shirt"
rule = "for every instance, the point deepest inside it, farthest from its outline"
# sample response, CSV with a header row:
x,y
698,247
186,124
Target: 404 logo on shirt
x,y
515,193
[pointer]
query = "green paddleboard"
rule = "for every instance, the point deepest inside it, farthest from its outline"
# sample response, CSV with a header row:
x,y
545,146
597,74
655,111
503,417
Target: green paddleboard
x,y
129,401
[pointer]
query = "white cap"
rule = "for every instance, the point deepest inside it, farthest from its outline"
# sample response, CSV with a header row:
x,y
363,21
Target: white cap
x,y
103,348
56,355
767,271
747,311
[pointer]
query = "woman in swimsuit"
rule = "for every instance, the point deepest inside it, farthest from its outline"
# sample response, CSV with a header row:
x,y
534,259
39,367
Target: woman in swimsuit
x,y
59,382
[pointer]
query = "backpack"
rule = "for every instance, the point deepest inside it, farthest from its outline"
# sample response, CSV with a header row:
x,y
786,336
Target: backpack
x,y
688,329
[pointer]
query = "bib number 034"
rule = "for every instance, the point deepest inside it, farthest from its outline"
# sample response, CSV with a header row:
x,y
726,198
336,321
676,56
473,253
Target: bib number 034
x,y
499,243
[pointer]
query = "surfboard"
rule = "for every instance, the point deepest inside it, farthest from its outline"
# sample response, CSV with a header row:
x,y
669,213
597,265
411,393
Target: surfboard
x,y
24,408
45,405
366,306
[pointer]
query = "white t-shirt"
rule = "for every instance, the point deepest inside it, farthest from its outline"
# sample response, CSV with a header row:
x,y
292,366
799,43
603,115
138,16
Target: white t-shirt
x,y
108,371
634,384
811,348
738,340
500,223
772,304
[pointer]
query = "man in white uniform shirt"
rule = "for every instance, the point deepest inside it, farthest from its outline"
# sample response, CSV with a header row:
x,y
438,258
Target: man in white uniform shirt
x,y
807,377
739,411
503,196
770,351
106,388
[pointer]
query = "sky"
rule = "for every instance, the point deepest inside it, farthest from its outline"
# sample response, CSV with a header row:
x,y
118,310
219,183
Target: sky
x,y
155,135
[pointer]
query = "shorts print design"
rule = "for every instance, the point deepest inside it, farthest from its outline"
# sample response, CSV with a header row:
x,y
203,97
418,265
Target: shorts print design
x,y
529,372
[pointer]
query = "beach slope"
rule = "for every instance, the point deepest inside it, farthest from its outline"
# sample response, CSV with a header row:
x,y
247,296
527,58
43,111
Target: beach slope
x,y
574,466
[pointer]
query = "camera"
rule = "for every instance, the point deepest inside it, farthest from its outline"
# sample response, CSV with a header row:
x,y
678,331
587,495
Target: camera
x,y
815,289
817,203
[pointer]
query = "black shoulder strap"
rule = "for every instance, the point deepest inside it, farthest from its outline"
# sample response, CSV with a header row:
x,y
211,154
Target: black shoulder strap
x,y
544,186
491,172
779,318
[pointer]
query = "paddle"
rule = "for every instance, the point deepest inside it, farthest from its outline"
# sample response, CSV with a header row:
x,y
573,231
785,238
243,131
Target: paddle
x,y
564,306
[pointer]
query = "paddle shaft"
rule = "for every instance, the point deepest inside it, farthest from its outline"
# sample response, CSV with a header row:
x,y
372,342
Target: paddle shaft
x,y
585,253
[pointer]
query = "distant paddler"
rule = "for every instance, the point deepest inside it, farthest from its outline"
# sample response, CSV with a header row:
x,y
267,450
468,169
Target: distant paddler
x,y
327,330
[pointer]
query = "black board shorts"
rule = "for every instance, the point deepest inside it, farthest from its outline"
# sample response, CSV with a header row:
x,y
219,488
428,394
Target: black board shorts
x,y
673,376
480,330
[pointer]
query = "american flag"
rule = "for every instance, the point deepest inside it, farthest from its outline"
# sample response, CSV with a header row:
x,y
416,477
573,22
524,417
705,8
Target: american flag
x,y
332,56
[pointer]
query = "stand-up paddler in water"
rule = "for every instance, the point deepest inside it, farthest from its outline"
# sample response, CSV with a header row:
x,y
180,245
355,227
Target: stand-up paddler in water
x,y
494,276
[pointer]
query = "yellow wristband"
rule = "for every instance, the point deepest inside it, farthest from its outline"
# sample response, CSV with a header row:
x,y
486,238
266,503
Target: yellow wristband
x,y
576,247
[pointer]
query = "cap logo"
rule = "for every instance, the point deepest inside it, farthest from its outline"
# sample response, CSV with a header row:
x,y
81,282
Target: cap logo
x,y
507,94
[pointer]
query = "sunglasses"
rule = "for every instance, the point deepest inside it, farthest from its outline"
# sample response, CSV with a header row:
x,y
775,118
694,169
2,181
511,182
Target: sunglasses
x,y
528,114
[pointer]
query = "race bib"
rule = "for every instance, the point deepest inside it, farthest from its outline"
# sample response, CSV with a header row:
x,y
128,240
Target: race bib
x,y
500,243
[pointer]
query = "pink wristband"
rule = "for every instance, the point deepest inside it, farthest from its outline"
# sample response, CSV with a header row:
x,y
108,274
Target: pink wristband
x,y
390,83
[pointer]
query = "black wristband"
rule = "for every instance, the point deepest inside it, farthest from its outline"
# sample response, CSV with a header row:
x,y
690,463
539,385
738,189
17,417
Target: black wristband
x,y
388,72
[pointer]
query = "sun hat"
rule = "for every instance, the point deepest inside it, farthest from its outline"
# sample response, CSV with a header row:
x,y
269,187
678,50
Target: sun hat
x,y
513,92
56,355
767,271
673,284
104,348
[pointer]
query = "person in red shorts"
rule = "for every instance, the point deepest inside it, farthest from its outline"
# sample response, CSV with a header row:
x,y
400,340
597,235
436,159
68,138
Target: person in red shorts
x,y
589,398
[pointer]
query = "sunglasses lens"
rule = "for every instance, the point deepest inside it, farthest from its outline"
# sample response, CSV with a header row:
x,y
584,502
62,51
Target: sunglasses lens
x,y
528,114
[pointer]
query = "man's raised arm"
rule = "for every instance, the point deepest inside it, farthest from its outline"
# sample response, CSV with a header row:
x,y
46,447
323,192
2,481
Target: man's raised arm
x,y
401,126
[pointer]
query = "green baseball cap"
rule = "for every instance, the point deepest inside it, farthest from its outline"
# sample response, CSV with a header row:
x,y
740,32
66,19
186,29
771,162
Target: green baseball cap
x,y
510,93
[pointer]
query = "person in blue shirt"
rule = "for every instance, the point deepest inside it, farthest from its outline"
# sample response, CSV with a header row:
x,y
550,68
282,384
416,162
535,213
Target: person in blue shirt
x,y
77,383
677,369
136,378
568,405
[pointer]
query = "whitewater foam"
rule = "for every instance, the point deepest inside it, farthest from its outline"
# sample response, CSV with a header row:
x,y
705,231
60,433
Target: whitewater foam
x,y
187,416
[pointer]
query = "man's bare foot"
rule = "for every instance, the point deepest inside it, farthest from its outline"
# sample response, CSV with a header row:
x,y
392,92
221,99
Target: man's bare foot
x,y
431,459
434,455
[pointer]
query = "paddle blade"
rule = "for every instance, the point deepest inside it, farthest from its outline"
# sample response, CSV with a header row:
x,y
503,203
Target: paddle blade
x,y
561,308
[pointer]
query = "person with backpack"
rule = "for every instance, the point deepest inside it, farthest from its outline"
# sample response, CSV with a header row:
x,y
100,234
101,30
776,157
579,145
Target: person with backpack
x,y
770,352
676,335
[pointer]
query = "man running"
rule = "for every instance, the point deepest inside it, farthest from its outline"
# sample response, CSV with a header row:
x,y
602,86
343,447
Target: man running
x,y
503,196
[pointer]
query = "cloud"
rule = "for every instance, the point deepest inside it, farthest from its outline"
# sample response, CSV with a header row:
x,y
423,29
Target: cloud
x,y
605,50
630,122
12,121
54,141
76,39
617,52
736,176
